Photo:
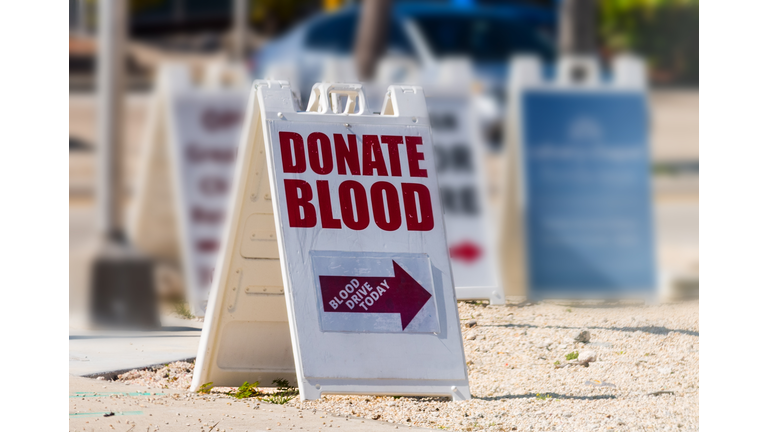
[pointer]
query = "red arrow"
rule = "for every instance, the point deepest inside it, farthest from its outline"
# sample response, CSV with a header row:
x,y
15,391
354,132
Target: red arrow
x,y
400,294
466,251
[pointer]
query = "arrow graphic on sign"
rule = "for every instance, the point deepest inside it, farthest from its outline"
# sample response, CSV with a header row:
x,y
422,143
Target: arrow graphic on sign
x,y
466,251
399,294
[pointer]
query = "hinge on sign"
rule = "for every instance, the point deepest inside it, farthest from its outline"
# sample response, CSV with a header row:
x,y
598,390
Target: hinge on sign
x,y
264,290
232,289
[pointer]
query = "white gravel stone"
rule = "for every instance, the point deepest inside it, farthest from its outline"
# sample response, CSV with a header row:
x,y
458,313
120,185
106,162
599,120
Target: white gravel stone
x,y
589,356
583,336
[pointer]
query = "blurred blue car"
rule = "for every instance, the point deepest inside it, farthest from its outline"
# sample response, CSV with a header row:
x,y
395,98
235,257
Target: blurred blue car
x,y
488,35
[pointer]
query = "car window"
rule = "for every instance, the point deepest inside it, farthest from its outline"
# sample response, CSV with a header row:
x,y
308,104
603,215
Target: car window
x,y
398,41
336,34
333,34
485,38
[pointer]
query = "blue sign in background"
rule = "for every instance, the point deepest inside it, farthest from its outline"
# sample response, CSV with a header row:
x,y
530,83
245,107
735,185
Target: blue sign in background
x,y
588,214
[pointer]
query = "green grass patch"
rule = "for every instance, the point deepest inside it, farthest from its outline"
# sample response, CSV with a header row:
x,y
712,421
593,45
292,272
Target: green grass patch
x,y
246,390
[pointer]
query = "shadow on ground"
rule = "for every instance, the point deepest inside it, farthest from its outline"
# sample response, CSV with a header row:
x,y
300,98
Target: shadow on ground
x,y
543,396
154,334
646,329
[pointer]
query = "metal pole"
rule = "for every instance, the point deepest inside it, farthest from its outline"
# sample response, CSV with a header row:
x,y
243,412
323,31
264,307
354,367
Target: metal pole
x,y
372,32
111,81
578,27
240,24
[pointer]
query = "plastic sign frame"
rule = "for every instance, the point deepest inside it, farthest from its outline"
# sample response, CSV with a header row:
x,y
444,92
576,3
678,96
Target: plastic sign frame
x,y
534,262
463,188
368,285
152,219
186,170
246,335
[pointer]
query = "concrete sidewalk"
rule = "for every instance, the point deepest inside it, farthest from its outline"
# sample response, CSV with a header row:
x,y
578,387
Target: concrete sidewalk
x,y
141,409
101,353
97,352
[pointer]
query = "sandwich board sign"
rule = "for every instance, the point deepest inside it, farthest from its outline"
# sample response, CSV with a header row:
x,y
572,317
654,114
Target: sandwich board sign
x,y
583,176
462,188
361,244
459,161
152,220
190,163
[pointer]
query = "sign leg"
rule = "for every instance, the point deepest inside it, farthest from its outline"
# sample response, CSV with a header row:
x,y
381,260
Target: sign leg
x,y
460,393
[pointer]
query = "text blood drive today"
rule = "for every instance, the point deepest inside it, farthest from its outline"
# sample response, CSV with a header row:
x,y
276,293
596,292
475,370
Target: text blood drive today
x,y
363,297
309,204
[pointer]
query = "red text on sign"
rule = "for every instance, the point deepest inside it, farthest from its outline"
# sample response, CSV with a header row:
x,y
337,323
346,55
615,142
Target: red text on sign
x,y
318,150
386,205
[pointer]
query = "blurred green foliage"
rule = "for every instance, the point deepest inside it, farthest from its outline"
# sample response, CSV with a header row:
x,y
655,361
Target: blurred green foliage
x,y
665,32
273,16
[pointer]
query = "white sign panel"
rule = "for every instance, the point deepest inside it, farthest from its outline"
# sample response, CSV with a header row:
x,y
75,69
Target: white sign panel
x,y
459,160
366,186
205,129
374,190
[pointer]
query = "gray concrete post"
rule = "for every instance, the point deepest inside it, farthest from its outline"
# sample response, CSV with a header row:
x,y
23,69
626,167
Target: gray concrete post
x,y
240,28
122,291
110,85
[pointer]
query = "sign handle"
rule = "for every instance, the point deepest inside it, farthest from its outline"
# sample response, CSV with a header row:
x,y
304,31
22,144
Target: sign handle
x,y
325,98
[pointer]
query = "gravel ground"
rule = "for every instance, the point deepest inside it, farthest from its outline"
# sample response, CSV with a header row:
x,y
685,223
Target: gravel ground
x,y
644,376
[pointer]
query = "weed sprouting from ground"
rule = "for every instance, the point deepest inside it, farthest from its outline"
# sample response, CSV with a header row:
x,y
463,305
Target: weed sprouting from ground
x,y
205,388
572,355
246,390
285,392
181,309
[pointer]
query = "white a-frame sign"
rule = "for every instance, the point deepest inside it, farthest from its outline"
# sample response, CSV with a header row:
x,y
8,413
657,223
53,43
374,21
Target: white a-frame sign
x,y
360,237
185,175
460,166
